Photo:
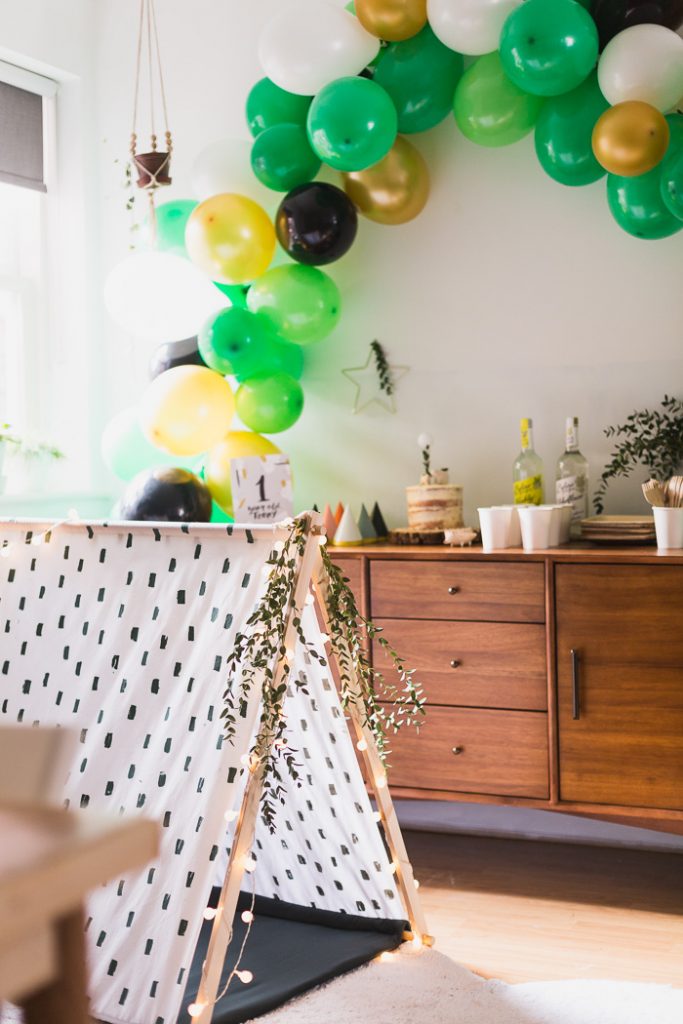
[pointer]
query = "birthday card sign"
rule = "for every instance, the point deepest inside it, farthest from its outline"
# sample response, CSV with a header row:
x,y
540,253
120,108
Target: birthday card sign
x,y
262,489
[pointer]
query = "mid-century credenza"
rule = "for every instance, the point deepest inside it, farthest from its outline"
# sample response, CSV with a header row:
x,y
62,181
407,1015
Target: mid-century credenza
x,y
553,679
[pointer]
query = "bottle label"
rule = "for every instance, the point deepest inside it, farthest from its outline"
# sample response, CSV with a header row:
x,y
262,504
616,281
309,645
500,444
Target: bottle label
x,y
572,436
529,491
571,490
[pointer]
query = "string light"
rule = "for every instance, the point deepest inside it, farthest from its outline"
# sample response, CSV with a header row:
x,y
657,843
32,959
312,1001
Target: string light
x,y
416,883
377,817
386,957
322,540
210,913
362,745
394,867
245,976
231,816
249,863
417,942
309,599
196,1009
247,916
381,781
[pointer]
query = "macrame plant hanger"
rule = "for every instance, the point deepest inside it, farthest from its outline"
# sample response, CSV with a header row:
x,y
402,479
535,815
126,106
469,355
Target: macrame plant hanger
x,y
152,167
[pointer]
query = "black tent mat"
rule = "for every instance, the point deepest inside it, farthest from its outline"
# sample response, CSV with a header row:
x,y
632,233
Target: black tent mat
x,y
290,950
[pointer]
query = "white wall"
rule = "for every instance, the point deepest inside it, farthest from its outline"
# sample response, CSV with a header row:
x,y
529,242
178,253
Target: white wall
x,y
510,296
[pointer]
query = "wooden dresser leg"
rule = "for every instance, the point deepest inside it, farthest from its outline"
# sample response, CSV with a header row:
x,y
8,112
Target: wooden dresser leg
x,y
65,1000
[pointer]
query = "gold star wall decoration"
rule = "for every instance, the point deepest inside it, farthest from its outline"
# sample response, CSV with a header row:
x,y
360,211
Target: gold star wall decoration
x,y
375,381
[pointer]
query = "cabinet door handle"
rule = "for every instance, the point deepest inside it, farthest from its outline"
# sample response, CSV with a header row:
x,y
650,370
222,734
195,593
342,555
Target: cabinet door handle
x,y
453,590
456,663
458,750
576,686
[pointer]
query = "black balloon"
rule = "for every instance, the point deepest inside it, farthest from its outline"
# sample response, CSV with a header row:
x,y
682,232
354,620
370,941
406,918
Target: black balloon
x,y
316,223
175,353
167,495
613,16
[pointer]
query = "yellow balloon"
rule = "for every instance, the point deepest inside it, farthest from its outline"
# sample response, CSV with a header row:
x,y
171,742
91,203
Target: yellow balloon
x,y
393,20
393,191
238,444
630,138
187,409
231,238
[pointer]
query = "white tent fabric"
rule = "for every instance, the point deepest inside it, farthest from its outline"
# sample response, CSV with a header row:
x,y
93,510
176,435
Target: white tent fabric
x,y
122,633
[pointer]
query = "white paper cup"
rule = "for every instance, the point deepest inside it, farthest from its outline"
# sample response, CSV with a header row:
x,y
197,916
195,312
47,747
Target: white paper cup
x,y
537,524
555,538
495,527
514,532
669,528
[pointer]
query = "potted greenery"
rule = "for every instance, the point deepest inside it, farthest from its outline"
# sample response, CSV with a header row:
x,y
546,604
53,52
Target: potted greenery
x,y
652,439
34,456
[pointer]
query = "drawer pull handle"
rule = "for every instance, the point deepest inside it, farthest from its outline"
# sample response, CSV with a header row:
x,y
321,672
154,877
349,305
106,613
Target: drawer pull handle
x,y
455,663
458,750
453,590
576,689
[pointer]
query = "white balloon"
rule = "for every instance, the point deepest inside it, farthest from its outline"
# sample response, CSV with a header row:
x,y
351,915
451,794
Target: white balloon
x,y
469,26
158,296
225,166
645,63
310,43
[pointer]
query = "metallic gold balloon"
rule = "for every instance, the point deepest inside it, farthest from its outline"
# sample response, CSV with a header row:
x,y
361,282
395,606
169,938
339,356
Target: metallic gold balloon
x,y
630,138
393,20
393,191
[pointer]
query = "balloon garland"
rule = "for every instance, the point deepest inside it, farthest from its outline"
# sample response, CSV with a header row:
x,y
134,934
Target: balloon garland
x,y
596,81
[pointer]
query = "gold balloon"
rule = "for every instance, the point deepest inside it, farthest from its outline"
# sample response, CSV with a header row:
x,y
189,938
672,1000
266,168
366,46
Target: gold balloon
x,y
238,444
630,138
187,409
393,20
393,191
231,238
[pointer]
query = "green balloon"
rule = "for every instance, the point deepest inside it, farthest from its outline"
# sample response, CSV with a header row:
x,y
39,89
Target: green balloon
x,y
268,105
237,293
126,450
218,515
489,109
637,206
242,343
171,219
269,405
548,47
671,168
282,158
420,76
302,303
352,124
564,133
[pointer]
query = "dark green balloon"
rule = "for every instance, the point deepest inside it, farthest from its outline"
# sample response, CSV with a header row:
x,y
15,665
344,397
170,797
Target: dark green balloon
x,y
268,105
549,47
489,108
352,124
671,168
237,293
564,132
282,158
269,404
637,206
420,75
241,343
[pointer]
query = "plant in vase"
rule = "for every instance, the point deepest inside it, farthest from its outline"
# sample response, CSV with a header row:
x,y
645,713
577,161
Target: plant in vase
x,y
651,439
34,456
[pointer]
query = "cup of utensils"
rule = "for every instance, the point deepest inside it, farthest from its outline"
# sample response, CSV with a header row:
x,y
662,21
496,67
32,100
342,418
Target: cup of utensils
x,y
667,507
534,527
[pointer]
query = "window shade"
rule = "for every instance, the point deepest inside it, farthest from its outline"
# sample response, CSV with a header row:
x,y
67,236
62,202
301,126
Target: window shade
x,y
21,137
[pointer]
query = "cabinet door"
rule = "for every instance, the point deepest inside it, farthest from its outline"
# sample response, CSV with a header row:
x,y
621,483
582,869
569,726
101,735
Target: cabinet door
x,y
620,693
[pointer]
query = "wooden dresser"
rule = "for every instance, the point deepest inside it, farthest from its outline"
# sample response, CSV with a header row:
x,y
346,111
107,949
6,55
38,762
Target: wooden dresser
x,y
554,679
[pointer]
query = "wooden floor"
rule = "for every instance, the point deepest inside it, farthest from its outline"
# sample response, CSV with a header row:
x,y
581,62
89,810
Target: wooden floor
x,y
530,911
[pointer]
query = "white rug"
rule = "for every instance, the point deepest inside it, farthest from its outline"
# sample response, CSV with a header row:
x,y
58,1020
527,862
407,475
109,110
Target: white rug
x,y
428,988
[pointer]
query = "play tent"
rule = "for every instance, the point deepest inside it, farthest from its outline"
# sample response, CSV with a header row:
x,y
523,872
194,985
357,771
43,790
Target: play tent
x,y
121,632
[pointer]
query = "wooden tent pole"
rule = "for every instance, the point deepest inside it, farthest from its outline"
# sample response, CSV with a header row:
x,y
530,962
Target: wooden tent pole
x,y
245,829
377,777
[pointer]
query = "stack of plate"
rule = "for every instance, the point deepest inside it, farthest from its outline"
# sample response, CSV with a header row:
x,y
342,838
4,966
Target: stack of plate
x,y
619,529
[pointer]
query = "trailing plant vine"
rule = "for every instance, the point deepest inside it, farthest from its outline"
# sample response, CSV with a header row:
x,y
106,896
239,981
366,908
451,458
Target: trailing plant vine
x,y
649,438
261,647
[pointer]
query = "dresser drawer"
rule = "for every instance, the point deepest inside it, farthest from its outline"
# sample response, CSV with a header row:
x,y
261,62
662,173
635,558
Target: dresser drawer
x,y
471,664
481,591
502,753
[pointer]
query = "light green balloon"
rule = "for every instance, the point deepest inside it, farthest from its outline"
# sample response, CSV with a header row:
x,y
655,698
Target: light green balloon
x,y
171,219
269,405
489,108
302,303
126,451
638,207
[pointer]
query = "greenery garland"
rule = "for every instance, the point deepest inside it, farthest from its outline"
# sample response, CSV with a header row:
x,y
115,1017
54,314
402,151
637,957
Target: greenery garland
x,y
386,383
261,646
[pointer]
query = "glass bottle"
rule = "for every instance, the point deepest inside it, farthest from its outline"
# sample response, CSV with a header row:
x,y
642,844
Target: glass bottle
x,y
571,478
527,472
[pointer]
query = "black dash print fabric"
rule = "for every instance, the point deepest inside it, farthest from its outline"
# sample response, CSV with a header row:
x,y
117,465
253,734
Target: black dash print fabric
x,y
121,633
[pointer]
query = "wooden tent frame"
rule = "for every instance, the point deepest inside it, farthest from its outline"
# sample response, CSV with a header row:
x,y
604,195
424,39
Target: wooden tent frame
x,y
311,573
